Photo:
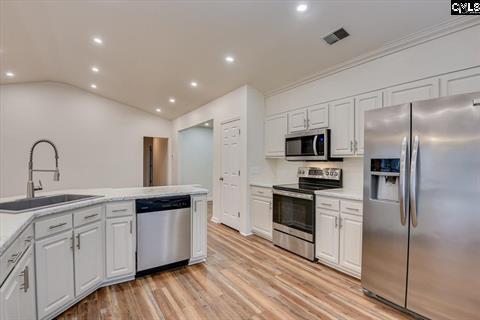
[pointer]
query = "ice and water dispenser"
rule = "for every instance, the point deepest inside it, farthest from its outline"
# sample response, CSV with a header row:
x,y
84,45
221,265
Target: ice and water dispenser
x,y
385,176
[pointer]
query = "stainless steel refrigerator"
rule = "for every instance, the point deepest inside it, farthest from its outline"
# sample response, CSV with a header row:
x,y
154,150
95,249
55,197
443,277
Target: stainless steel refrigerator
x,y
421,225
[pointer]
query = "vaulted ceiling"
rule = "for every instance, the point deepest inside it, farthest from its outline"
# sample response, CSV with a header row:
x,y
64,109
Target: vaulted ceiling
x,y
153,50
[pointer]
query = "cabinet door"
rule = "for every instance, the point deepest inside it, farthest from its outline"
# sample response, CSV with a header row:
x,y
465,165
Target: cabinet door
x,y
119,247
10,297
342,125
199,227
28,310
364,102
261,211
351,242
327,235
54,265
275,131
297,120
466,81
413,91
318,116
89,257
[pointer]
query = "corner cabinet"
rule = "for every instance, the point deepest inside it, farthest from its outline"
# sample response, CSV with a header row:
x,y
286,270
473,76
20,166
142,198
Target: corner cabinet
x,y
17,294
276,128
199,228
338,235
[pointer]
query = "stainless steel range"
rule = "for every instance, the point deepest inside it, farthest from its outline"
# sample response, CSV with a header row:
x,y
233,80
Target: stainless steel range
x,y
294,209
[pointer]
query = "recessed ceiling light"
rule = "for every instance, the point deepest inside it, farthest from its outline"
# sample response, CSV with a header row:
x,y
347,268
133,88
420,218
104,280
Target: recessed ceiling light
x,y
302,7
98,40
158,110
229,59
9,74
194,84
95,69
93,86
172,100
206,124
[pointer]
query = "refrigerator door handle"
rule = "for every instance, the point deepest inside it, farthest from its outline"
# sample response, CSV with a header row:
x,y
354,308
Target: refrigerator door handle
x,y
413,181
403,182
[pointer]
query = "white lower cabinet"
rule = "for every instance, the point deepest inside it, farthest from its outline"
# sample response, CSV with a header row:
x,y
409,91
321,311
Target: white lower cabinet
x,y
17,294
351,242
338,240
327,232
120,247
261,204
89,257
199,228
54,265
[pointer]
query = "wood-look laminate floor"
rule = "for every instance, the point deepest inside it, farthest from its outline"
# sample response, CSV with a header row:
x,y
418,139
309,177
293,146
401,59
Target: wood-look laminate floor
x,y
244,278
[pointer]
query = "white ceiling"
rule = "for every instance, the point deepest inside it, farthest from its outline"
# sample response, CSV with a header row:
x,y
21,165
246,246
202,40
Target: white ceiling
x,y
153,49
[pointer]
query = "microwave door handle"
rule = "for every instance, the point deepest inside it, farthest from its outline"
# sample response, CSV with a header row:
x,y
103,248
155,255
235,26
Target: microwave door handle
x,y
315,145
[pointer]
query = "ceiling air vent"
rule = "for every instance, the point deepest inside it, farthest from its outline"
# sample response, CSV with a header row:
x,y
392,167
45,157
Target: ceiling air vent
x,y
336,36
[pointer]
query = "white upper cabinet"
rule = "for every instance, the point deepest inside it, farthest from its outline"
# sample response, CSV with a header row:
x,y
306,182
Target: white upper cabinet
x,y
54,265
317,116
465,81
412,91
342,124
199,228
297,120
89,257
120,247
275,131
364,102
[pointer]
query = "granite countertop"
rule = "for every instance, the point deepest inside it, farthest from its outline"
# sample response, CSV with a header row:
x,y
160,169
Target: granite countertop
x,y
12,224
341,193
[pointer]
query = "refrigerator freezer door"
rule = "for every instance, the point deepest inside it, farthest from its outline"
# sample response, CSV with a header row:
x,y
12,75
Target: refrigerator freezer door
x,y
443,281
385,231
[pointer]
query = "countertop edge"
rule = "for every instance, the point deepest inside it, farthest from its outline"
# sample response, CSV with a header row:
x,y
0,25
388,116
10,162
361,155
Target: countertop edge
x,y
34,214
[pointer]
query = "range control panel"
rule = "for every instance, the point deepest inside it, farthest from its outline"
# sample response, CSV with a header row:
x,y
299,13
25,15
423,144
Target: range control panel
x,y
320,173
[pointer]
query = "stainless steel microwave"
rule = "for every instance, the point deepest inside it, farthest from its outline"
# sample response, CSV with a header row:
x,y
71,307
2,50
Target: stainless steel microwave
x,y
313,145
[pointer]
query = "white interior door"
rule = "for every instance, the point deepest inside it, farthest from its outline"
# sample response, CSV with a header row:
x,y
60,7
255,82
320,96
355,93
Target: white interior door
x,y
231,153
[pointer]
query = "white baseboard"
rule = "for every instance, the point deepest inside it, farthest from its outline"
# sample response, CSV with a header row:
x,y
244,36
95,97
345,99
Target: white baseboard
x,y
215,220
246,234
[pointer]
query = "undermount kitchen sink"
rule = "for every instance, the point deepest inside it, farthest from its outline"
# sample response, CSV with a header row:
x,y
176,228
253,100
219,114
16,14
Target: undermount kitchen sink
x,y
23,205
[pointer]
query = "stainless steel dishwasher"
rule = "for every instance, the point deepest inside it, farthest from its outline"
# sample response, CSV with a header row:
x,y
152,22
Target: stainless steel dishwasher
x,y
163,232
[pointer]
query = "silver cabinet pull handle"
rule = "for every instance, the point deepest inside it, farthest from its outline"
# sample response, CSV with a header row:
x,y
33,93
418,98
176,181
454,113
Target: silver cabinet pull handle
x,y
413,182
78,241
119,210
402,182
351,146
326,204
336,222
91,216
57,225
13,258
131,227
353,209
26,279
72,243
340,223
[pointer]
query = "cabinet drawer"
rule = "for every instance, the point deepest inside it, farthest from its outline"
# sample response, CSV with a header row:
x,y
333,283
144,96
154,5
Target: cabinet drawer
x,y
328,203
261,191
120,209
351,207
88,215
51,226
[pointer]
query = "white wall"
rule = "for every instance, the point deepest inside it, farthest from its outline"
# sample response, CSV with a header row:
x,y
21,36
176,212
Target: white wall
x,y
230,106
196,157
100,141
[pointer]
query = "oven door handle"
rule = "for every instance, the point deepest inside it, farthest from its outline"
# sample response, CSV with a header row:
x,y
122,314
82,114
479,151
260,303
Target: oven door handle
x,y
293,194
315,145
